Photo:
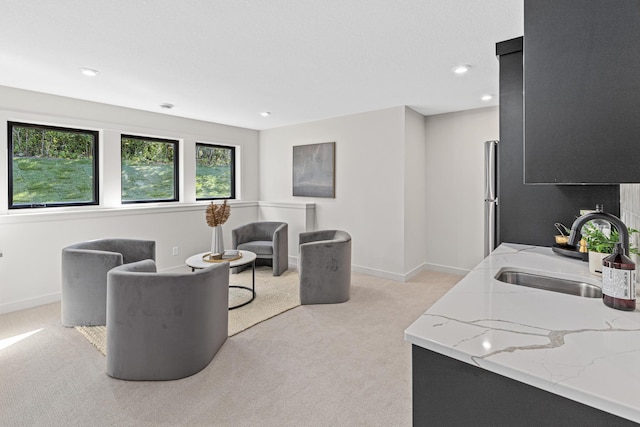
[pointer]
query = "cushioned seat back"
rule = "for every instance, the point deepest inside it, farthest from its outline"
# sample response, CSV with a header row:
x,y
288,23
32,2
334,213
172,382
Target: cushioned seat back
x,y
84,268
341,236
263,230
321,235
130,249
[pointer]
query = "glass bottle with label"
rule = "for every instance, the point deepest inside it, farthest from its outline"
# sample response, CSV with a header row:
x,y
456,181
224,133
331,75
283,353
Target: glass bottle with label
x,y
619,280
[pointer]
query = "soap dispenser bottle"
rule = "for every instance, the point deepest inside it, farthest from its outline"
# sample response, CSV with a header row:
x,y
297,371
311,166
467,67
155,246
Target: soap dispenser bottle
x,y
619,280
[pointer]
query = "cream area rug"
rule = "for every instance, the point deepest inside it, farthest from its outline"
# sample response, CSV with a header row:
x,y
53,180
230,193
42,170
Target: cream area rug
x,y
274,295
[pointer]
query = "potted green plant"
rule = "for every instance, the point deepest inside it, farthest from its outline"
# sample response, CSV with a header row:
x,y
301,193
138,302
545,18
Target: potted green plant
x,y
601,244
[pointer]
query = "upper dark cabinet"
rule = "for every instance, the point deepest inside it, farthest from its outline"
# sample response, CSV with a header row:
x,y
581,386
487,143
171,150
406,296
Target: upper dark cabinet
x,y
581,91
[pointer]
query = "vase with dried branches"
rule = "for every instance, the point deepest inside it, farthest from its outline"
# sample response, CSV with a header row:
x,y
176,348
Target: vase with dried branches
x,y
217,214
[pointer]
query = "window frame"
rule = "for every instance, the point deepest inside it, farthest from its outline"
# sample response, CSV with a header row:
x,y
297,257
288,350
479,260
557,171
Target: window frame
x,y
233,170
95,165
176,168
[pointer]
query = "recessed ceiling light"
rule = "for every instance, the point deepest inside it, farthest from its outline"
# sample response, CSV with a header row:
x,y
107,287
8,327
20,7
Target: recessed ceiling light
x,y
487,97
461,69
89,72
166,106
265,114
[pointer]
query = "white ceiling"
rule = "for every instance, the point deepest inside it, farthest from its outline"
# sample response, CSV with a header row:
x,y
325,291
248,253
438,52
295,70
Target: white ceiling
x,y
226,61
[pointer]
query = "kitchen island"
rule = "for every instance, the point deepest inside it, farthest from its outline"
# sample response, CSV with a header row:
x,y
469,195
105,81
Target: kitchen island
x,y
495,353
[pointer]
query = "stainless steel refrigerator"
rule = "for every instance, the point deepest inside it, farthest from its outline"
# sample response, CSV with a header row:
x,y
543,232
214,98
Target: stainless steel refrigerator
x,y
490,196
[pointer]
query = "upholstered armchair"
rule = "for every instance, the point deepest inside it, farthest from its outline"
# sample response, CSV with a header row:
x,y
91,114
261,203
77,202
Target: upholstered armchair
x,y
324,267
268,240
84,276
164,326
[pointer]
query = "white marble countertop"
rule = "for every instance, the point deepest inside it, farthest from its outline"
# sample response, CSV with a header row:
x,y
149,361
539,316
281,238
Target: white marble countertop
x,y
572,346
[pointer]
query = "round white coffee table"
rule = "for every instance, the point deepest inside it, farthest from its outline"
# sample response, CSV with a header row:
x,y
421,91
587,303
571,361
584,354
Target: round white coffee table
x,y
198,261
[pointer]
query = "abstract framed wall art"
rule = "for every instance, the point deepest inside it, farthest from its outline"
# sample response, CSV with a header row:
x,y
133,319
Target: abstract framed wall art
x,y
314,170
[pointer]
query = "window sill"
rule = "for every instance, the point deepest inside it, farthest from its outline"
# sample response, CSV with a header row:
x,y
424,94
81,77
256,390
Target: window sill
x,y
84,212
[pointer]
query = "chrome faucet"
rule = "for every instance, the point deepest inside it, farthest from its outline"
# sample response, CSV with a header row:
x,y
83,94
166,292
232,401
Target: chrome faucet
x,y
623,232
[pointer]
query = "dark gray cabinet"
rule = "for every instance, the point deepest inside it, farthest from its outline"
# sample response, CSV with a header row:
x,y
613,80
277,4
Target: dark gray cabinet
x,y
447,392
581,91
526,213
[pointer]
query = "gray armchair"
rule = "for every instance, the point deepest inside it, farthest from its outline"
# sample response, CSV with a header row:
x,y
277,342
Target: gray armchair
x,y
324,266
165,326
268,240
84,276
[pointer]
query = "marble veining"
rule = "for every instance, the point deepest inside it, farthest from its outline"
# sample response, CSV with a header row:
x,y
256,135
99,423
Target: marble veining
x,y
569,345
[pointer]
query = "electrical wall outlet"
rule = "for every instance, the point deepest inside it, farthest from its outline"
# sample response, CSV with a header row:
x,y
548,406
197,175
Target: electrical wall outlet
x,y
174,251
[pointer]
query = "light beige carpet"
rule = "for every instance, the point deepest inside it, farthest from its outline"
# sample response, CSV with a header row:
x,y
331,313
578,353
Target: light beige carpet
x,y
274,295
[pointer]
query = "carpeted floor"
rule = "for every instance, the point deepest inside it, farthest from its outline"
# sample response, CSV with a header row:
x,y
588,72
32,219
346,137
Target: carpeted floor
x,y
274,295
322,365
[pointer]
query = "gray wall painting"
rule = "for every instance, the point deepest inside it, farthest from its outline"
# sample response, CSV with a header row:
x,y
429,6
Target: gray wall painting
x,y
314,170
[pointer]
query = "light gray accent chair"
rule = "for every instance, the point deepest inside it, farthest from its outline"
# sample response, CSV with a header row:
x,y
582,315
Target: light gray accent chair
x,y
84,276
165,326
269,240
324,267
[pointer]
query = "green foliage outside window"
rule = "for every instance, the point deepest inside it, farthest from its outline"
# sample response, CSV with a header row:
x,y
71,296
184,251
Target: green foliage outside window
x,y
149,169
54,166
215,172
51,166
143,152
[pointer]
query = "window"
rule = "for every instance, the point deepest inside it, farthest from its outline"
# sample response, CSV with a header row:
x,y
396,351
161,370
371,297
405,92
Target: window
x,y
149,169
215,172
51,166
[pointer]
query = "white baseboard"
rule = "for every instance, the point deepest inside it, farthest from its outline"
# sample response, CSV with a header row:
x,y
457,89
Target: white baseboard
x,y
293,262
29,303
403,278
378,273
446,269
412,273
397,277
177,269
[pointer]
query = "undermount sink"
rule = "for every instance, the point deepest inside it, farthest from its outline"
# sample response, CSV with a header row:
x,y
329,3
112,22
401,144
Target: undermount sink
x,y
555,284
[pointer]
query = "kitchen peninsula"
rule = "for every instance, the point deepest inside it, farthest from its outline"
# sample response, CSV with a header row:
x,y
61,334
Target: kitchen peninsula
x,y
493,353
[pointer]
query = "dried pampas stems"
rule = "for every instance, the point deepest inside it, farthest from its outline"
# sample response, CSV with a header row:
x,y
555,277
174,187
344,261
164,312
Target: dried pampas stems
x,y
218,214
